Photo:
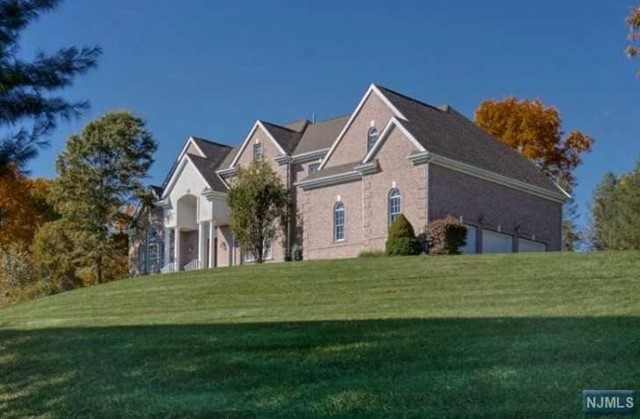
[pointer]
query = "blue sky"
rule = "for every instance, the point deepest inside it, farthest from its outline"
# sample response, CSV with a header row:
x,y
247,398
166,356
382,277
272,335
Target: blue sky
x,y
198,67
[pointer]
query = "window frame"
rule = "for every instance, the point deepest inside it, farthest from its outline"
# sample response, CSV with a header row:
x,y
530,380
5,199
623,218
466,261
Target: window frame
x,y
339,207
374,134
259,155
393,194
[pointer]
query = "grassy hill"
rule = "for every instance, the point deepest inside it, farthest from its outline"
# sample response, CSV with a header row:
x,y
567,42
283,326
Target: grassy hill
x,y
461,336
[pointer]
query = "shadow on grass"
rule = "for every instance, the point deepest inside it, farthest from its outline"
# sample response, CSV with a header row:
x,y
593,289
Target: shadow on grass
x,y
415,367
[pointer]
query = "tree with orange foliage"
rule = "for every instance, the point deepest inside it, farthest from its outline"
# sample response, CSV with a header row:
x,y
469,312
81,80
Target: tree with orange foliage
x,y
24,207
535,130
633,20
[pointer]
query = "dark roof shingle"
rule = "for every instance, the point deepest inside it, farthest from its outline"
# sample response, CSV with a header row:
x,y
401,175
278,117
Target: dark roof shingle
x,y
446,132
320,135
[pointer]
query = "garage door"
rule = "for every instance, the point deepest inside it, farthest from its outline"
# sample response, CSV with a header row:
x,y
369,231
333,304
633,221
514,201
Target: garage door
x,y
470,247
493,242
525,245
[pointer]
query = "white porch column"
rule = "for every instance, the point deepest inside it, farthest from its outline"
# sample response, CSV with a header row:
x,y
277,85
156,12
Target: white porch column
x,y
176,250
202,244
166,258
212,242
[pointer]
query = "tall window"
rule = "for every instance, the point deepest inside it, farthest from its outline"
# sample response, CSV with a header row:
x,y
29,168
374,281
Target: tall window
x,y
372,137
395,204
338,222
153,258
257,152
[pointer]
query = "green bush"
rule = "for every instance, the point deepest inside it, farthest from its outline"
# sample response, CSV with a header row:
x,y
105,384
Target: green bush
x,y
16,273
445,236
372,254
402,238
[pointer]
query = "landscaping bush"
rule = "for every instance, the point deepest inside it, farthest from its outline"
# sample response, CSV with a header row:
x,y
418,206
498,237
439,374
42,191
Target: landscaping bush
x,y
297,252
402,238
445,236
16,273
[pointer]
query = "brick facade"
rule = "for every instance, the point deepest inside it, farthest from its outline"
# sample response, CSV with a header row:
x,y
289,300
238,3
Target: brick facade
x,y
525,206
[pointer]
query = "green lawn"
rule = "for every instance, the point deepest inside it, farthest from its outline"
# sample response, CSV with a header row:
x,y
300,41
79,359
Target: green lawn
x,y
513,335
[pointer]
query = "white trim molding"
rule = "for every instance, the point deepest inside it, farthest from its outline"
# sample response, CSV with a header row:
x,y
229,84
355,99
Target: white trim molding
x,y
309,156
329,180
372,89
189,141
178,172
258,124
224,173
393,122
428,157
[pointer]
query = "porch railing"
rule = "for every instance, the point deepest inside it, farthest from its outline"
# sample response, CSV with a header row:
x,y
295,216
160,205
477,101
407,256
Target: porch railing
x,y
193,265
168,268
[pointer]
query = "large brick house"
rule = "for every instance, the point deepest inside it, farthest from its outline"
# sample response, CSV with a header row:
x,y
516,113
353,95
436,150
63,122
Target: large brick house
x,y
349,178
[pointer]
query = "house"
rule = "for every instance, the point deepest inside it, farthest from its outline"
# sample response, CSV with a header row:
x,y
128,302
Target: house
x,y
350,177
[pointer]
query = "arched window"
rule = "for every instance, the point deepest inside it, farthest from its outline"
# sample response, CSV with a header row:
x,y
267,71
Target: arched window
x,y
372,137
338,221
395,204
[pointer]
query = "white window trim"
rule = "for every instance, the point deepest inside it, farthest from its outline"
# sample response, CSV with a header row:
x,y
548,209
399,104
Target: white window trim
x,y
343,225
396,189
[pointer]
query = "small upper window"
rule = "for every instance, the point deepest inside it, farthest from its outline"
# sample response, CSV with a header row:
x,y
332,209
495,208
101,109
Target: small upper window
x,y
313,167
372,137
395,204
338,222
257,152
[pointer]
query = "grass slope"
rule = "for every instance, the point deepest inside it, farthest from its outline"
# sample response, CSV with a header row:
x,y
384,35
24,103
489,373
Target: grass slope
x,y
513,335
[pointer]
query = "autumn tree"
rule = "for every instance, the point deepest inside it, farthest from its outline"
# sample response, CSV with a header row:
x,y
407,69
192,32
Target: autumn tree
x,y
535,130
30,106
258,202
100,175
633,20
25,207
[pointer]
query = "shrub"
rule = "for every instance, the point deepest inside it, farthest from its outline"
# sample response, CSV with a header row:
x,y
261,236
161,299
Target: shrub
x,y
297,252
372,254
16,273
445,236
55,258
402,238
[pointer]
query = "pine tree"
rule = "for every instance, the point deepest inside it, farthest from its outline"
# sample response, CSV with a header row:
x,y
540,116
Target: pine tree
x,y
29,107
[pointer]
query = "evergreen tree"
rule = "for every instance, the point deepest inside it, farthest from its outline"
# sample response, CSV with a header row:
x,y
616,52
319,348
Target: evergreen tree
x,y
29,106
603,213
100,174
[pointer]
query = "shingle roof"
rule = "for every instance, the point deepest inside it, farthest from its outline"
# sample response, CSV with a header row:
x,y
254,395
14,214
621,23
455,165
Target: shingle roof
x,y
446,132
208,147
298,125
320,135
216,154
207,167
229,159
287,138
